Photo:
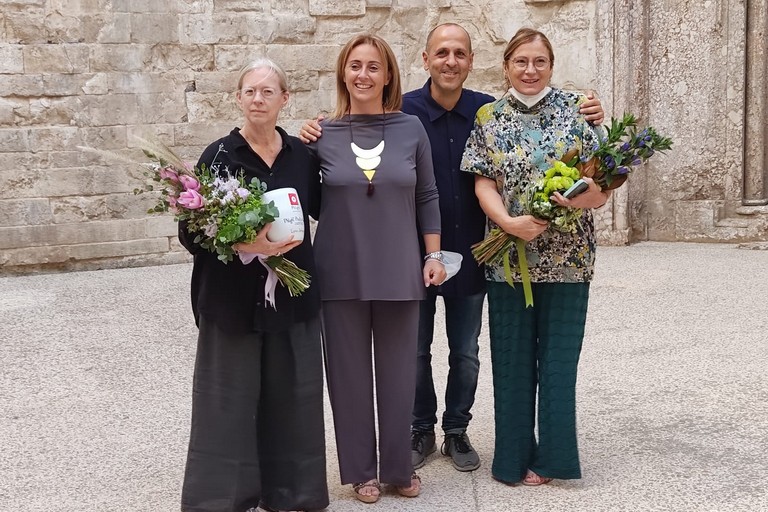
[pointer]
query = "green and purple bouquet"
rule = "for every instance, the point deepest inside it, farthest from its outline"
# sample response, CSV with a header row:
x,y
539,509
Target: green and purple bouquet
x,y
220,209
625,147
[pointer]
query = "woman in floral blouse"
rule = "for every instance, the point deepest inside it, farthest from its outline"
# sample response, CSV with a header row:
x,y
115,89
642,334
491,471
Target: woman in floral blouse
x,y
537,348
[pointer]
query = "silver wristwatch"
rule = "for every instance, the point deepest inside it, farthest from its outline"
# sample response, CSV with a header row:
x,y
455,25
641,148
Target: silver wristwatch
x,y
437,255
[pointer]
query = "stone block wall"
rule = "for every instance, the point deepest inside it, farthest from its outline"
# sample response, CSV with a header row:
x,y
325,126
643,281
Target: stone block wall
x,y
98,72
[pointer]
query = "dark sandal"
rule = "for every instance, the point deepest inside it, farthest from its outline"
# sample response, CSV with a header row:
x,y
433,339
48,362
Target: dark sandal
x,y
367,498
532,479
414,489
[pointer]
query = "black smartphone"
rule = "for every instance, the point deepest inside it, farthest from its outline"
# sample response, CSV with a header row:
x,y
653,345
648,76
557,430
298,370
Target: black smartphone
x,y
576,189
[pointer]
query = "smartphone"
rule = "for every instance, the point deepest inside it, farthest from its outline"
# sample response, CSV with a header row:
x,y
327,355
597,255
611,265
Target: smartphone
x,y
576,189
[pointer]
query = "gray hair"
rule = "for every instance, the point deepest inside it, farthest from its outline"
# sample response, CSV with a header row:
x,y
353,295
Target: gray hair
x,y
264,63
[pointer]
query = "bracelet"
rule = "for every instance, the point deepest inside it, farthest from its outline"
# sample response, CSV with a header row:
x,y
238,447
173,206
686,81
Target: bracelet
x,y
437,255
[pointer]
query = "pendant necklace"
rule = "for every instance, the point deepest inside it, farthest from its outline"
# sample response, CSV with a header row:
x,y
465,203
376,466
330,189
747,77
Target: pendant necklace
x,y
368,159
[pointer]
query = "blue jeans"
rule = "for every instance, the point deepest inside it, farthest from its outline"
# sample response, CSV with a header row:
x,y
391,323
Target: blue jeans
x,y
463,318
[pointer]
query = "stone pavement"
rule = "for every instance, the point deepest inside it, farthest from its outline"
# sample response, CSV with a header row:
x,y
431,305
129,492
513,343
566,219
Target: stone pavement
x,y
673,398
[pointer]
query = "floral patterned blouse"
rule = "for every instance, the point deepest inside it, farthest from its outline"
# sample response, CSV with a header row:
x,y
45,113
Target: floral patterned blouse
x,y
514,145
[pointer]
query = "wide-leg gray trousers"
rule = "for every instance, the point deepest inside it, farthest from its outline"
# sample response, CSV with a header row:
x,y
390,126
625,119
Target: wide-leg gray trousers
x,y
350,329
257,421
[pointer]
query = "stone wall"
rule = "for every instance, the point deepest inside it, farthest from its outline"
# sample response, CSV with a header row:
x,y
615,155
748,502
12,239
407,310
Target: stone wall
x,y
97,72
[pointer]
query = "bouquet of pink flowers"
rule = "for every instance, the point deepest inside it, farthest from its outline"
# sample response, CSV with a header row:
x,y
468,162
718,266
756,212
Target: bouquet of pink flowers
x,y
220,208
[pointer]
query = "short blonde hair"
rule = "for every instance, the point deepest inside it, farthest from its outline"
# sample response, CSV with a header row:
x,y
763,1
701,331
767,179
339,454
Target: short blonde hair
x,y
393,93
264,63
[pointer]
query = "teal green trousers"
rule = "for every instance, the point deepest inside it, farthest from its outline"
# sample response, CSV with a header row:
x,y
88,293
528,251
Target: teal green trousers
x,y
534,350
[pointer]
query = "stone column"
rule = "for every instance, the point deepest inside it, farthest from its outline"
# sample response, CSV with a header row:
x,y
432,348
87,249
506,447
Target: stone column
x,y
756,106
623,68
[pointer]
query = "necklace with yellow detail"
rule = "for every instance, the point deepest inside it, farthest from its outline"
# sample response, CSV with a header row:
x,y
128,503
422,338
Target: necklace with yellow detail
x,y
368,159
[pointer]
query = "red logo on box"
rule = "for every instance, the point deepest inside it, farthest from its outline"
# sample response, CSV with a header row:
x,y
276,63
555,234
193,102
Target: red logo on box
x,y
294,199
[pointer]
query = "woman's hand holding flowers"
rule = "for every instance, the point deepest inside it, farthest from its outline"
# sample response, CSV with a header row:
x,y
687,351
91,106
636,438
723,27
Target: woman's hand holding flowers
x,y
525,227
593,197
261,245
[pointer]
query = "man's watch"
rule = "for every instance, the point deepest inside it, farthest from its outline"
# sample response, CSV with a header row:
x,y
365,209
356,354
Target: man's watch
x,y
437,255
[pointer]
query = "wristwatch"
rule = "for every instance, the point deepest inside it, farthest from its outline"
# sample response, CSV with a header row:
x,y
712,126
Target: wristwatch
x,y
437,255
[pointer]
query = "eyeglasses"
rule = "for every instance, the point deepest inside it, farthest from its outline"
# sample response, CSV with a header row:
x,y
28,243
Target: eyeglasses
x,y
267,93
540,63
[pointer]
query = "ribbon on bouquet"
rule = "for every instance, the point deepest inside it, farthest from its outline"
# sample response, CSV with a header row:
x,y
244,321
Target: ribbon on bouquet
x,y
271,284
524,275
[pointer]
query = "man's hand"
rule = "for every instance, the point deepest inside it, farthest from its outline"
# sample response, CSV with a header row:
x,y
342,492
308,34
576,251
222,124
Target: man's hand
x,y
592,109
311,130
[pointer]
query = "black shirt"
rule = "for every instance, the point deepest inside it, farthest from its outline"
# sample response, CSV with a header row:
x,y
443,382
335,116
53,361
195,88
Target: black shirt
x,y
231,295
463,221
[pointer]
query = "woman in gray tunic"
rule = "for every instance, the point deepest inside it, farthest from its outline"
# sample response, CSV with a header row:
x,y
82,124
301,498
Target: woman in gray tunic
x,y
377,180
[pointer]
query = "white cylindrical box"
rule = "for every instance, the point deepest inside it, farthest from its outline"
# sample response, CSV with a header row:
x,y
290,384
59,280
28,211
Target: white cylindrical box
x,y
291,218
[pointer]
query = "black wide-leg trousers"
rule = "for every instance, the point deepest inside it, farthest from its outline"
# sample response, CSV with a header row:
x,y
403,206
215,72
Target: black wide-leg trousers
x,y
257,431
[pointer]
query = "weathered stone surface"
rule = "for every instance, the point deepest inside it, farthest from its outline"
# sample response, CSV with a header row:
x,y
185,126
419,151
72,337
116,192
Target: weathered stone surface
x,y
162,6
108,28
117,57
12,110
14,140
55,58
293,29
154,28
67,182
197,135
105,138
234,57
222,81
95,73
54,138
337,7
25,212
52,111
244,28
11,58
181,58
73,234
56,254
218,106
110,109
162,108
304,57
68,210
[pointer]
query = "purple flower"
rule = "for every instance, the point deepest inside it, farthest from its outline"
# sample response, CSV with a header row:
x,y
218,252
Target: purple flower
x,y
625,147
243,193
622,170
636,161
189,183
609,162
191,199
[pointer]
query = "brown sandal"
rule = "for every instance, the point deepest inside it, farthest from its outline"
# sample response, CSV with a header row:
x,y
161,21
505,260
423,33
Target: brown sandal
x,y
414,489
532,479
367,498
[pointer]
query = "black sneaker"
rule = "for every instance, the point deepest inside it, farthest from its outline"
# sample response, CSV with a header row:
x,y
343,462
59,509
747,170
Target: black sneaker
x,y
458,448
422,444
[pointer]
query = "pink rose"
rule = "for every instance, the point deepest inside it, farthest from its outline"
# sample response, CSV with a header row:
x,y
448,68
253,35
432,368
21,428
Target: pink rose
x,y
167,173
189,183
191,199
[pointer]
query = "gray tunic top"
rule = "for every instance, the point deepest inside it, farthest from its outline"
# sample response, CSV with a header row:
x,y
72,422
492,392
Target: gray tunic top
x,y
367,246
